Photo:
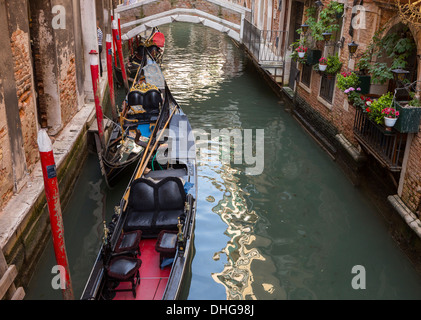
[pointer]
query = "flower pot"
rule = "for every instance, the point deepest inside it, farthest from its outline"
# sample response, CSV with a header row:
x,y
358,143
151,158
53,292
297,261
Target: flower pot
x,y
322,67
409,118
389,122
301,54
313,56
365,84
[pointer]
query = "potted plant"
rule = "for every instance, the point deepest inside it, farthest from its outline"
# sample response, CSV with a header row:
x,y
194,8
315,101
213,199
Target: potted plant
x,y
395,46
377,106
390,117
322,64
301,51
347,80
334,66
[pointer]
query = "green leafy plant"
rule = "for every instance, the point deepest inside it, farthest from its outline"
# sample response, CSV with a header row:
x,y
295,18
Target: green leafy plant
x,y
377,106
396,46
415,102
346,80
334,65
327,21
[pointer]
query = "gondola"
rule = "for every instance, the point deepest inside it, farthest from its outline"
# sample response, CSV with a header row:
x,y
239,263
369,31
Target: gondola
x,y
147,246
152,46
133,132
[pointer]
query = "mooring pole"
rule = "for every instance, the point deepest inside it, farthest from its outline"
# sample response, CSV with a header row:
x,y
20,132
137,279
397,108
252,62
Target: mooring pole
x,y
110,74
53,200
120,54
119,24
114,47
95,82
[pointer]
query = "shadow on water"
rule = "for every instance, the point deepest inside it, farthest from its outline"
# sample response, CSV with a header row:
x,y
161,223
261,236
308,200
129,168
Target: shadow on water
x,y
295,231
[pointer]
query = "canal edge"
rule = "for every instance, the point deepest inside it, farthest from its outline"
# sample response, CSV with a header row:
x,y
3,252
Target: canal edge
x,y
24,221
402,223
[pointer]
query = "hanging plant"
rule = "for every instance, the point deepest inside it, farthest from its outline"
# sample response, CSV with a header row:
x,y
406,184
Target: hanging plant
x,y
327,22
334,65
396,46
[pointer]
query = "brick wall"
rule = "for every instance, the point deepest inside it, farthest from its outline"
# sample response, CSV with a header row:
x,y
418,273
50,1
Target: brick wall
x,y
25,93
342,117
411,192
6,177
68,93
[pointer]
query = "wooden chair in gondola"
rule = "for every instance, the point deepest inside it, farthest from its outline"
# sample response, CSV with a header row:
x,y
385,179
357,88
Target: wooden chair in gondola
x,y
124,269
129,243
122,264
166,244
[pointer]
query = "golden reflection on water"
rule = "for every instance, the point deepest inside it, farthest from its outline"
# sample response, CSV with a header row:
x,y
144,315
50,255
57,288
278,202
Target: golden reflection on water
x,y
236,276
196,76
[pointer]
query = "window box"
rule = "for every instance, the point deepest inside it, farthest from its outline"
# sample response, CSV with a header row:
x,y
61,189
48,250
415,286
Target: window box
x,y
409,118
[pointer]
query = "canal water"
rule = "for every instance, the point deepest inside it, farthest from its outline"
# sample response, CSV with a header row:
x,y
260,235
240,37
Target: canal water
x,y
294,231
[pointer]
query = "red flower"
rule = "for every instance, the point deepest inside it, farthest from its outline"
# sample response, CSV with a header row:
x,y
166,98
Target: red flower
x,y
367,109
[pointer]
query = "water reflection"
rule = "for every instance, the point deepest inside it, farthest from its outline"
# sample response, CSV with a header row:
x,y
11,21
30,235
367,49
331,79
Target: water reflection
x,y
239,251
194,73
292,232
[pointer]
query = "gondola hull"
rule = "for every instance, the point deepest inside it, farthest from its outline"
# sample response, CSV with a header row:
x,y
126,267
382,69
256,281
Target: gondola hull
x,y
161,274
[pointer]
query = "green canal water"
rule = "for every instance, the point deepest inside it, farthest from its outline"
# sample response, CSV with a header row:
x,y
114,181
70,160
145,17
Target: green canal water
x,y
295,231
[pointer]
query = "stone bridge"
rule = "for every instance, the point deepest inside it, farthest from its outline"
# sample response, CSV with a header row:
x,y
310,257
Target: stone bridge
x,y
221,15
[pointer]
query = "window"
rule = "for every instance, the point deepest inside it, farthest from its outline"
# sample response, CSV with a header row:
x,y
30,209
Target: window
x,y
306,74
327,86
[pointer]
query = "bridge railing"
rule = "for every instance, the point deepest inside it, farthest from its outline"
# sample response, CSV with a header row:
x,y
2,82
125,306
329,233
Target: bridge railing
x,y
265,45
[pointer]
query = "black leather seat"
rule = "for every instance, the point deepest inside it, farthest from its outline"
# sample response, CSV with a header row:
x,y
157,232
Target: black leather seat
x,y
155,207
129,243
124,269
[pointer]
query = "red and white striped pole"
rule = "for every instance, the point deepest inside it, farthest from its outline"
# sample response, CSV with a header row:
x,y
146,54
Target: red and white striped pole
x,y
110,74
120,54
119,24
114,48
53,200
95,81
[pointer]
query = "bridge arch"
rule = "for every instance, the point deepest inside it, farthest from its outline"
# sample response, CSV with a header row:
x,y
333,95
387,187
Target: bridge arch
x,y
220,15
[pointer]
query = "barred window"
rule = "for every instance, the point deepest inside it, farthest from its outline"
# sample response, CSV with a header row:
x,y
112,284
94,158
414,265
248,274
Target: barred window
x,y
327,86
306,74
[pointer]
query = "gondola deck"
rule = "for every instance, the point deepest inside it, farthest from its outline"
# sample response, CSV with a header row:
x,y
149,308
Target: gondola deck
x,y
153,279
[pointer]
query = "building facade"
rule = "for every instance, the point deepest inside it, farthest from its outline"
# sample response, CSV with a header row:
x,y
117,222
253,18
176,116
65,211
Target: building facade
x,y
388,38
45,76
